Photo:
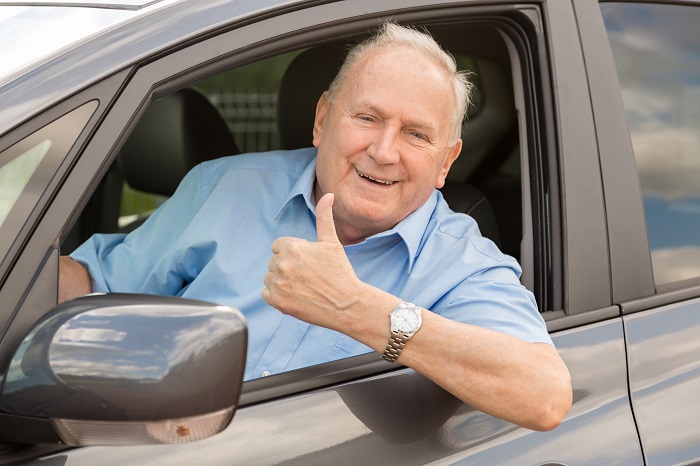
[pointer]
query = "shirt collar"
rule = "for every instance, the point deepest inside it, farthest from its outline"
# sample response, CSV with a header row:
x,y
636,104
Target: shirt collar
x,y
410,229
304,187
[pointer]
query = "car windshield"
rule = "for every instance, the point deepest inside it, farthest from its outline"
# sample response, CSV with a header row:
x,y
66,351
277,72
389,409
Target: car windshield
x,y
32,32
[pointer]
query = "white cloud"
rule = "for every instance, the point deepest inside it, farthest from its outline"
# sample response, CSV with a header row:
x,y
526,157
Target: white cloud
x,y
668,160
656,53
673,265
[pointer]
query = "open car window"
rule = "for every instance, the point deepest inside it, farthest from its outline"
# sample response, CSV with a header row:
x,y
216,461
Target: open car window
x,y
269,105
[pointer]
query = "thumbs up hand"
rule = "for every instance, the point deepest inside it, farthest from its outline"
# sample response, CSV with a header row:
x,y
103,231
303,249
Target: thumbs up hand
x,y
325,226
313,281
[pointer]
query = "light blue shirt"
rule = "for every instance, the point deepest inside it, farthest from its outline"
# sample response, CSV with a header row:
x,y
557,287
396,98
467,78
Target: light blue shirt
x,y
211,241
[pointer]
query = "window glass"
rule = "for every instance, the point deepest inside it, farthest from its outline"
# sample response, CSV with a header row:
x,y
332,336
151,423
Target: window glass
x,y
657,52
15,175
27,167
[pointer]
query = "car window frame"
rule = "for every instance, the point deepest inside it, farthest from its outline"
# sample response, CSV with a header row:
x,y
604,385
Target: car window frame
x,y
215,54
630,260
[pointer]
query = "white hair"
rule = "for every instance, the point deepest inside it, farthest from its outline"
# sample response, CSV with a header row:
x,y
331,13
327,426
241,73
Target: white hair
x,y
393,35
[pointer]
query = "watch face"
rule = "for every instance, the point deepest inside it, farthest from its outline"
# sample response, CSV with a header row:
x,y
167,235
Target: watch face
x,y
405,320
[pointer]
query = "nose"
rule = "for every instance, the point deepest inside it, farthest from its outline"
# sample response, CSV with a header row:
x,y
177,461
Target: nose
x,y
384,146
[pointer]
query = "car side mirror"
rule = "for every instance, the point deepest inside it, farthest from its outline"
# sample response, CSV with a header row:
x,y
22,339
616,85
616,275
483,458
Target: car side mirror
x,y
125,369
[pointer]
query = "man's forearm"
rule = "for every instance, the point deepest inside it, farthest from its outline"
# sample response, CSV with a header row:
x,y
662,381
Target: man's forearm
x,y
73,279
525,383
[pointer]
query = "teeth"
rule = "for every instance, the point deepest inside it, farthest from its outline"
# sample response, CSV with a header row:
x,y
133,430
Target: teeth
x,y
387,183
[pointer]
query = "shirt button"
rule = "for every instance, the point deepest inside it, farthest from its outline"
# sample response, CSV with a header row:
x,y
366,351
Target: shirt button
x,y
265,373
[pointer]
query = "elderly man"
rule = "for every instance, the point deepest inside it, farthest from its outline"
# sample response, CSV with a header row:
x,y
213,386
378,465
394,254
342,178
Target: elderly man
x,y
366,255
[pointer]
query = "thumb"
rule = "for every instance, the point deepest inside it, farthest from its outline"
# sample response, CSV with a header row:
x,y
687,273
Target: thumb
x,y
325,226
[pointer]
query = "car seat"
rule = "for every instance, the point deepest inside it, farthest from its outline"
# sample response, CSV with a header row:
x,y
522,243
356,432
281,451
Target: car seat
x,y
174,134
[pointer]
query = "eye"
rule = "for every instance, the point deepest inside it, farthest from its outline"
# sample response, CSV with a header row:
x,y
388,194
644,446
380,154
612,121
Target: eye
x,y
366,118
420,137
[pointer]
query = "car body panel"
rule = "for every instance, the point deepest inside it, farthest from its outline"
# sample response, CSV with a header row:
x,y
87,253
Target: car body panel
x,y
586,264
630,261
664,371
402,418
110,4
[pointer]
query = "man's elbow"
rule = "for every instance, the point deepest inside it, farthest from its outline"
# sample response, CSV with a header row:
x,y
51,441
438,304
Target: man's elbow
x,y
552,413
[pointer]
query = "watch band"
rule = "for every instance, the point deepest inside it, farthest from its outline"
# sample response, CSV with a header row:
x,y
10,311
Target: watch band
x,y
405,321
394,347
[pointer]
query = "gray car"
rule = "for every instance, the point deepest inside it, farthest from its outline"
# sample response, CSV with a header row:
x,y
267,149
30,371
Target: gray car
x,y
581,158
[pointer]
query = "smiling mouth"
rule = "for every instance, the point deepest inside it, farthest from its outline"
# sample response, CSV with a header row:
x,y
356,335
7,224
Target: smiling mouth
x,y
374,180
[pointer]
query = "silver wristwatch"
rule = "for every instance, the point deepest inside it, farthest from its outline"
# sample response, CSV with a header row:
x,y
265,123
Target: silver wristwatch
x,y
405,322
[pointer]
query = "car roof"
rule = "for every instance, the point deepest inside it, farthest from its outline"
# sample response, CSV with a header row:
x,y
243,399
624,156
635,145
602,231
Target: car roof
x,y
124,4
33,32
131,32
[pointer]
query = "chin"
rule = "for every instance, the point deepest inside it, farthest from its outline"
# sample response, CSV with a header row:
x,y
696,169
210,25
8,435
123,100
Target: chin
x,y
378,223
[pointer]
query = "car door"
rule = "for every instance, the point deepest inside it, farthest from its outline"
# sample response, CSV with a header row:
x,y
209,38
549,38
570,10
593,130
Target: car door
x,y
660,95
360,409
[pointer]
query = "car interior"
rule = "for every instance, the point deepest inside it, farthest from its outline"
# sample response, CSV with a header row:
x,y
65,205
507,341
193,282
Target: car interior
x,y
187,127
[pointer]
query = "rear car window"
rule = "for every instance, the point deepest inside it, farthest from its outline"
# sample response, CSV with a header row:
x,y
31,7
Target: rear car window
x,y
657,53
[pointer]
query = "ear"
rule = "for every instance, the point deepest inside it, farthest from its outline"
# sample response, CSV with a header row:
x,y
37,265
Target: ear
x,y
319,120
452,155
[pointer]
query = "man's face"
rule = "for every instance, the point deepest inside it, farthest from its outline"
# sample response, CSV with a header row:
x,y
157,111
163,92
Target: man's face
x,y
383,142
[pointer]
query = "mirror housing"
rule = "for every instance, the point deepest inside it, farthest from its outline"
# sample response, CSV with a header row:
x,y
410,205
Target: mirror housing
x,y
126,369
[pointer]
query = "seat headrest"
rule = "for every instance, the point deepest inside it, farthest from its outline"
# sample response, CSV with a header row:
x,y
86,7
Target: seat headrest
x,y
306,78
467,199
174,134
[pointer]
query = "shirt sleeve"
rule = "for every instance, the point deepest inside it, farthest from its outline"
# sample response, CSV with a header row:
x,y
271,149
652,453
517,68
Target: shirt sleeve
x,y
495,299
145,260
